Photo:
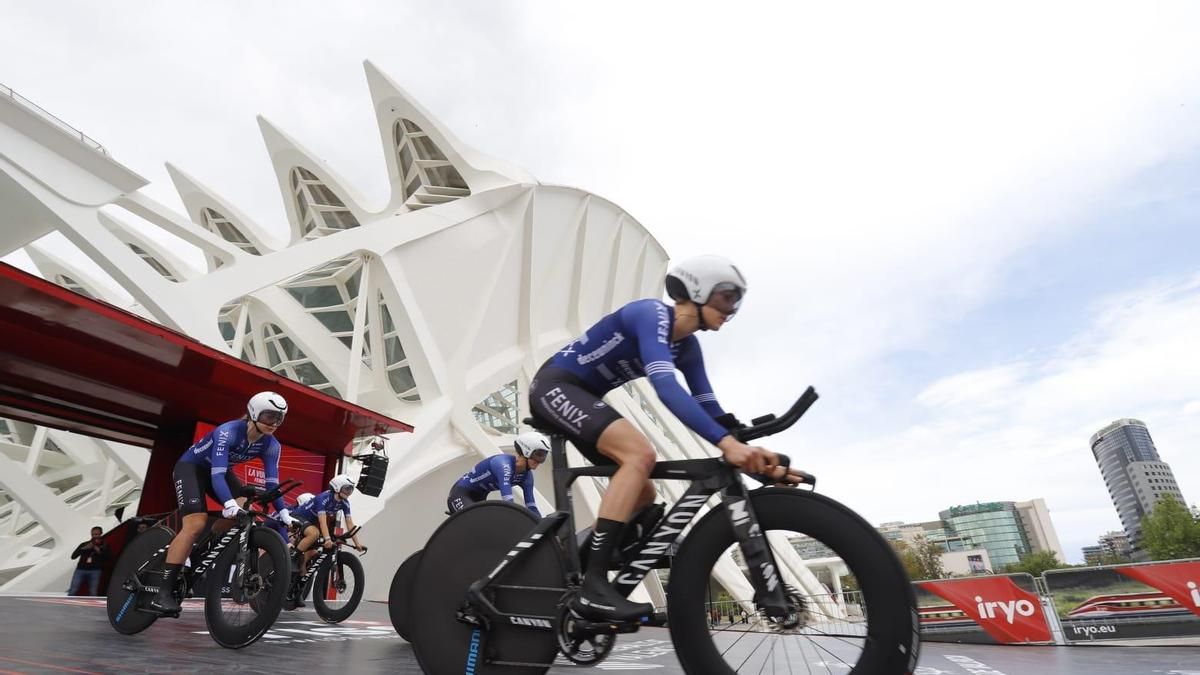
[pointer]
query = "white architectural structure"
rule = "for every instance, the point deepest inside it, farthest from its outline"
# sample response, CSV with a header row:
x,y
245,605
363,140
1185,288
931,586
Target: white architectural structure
x,y
435,310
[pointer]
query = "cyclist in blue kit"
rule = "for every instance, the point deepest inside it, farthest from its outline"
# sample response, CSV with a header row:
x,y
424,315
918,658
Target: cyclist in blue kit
x,y
317,517
204,470
645,338
501,472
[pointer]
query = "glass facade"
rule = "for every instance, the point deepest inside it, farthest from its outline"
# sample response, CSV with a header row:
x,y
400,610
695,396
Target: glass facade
x,y
995,526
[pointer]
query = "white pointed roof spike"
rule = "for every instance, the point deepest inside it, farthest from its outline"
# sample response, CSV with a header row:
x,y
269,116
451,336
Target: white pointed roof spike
x,y
480,170
196,196
286,154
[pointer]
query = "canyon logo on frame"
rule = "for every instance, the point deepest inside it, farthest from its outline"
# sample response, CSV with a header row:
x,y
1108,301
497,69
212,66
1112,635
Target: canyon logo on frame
x,y
1007,613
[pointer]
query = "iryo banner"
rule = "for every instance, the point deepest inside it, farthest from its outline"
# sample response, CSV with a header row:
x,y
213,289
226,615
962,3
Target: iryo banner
x,y
1180,581
1127,602
1001,608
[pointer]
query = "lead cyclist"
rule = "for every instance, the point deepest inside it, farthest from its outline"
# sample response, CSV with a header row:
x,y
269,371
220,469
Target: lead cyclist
x,y
645,338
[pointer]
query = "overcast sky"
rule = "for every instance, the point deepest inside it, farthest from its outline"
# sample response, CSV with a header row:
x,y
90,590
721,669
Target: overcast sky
x,y
976,232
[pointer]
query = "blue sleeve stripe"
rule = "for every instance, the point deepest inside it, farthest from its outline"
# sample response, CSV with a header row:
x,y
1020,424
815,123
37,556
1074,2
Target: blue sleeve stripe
x,y
659,366
219,469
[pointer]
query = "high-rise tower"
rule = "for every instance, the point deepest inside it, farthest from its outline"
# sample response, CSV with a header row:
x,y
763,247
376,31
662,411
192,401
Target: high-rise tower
x,y
1135,475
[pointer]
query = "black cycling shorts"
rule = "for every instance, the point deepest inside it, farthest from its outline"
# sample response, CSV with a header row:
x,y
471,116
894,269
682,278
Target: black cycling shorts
x,y
193,481
559,399
462,497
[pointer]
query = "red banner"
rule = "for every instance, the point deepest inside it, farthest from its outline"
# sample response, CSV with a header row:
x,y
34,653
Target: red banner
x,y
1179,580
1000,607
306,467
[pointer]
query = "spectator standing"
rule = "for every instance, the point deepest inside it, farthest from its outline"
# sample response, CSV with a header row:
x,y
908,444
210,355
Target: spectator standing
x,y
92,554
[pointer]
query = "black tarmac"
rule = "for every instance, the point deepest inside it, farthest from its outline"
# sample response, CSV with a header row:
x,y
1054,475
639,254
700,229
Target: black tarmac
x,y
48,634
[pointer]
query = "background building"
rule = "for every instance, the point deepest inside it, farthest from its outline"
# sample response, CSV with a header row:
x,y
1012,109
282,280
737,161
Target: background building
x,y
997,527
1111,546
1035,518
1133,472
435,308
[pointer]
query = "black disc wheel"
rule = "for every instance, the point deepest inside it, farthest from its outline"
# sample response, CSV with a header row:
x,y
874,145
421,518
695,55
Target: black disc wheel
x,y
124,606
465,548
338,587
239,613
400,594
872,631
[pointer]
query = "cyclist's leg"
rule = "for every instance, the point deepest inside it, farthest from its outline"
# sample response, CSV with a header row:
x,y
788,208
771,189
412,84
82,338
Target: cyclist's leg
x,y
191,484
235,488
460,498
311,532
628,489
604,437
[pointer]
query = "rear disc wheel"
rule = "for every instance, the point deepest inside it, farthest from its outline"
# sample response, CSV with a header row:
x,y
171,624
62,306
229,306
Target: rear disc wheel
x,y
124,607
465,548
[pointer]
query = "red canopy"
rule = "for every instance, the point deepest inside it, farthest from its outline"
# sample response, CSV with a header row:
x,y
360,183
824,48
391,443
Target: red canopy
x,y
70,362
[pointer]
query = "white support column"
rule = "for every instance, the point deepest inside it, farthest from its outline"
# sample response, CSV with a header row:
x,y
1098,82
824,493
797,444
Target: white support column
x,y
837,587
110,475
35,450
356,341
240,335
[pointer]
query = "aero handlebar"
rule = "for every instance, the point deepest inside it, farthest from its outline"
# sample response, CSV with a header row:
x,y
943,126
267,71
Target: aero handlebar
x,y
770,424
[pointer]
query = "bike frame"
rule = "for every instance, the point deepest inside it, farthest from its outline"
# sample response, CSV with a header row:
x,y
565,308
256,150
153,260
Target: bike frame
x,y
708,476
325,554
240,530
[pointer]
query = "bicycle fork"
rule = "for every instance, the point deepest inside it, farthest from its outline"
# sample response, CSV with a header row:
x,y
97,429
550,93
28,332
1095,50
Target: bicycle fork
x,y
769,593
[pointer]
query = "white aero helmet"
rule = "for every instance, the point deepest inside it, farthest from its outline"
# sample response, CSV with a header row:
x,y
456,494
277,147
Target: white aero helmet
x,y
340,482
267,407
696,278
304,499
532,444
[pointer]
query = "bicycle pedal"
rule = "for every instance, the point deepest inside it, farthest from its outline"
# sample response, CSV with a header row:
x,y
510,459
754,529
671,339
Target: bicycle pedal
x,y
468,618
583,627
657,619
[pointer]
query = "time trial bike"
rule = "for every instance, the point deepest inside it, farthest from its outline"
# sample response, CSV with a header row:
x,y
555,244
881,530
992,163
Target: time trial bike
x,y
243,594
334,576
493,585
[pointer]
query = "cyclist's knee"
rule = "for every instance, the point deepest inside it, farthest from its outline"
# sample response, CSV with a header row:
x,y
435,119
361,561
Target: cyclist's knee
x,y
640,458
193,524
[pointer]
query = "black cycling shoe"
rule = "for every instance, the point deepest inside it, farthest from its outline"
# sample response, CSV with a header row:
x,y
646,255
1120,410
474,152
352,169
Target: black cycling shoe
x,y
602,602
164,601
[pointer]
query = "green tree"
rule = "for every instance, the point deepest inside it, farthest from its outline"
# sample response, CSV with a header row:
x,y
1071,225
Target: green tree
x,y
1035,564
1170,531
922,559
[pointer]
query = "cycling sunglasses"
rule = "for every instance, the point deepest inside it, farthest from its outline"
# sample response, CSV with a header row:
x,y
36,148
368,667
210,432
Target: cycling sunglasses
x,y
726,298
538,456
272,417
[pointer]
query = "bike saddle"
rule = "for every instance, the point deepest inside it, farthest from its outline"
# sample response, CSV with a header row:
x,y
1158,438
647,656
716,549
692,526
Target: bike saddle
x,y
541,425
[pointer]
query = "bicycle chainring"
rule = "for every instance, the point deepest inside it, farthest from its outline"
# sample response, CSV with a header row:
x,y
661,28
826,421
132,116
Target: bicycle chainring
x,y
582,649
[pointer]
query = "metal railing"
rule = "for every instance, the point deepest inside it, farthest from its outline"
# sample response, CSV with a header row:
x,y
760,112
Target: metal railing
x,y
843,614
49,117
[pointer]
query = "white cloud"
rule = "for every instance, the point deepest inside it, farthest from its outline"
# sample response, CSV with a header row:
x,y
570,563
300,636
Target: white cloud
x,y
1020,431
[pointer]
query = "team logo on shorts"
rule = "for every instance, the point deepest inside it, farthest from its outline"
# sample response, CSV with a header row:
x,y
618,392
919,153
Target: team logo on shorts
x,y
599,404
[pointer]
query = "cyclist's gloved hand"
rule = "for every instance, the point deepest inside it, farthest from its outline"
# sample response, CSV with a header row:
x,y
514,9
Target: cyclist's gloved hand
x,y
286,517
231,509
730,422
